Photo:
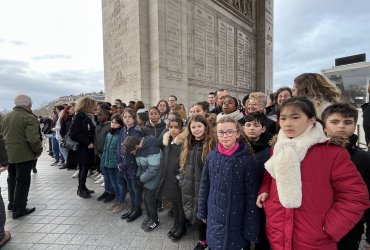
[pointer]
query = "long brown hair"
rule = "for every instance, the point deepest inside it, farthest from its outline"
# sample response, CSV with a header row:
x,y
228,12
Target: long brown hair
x,y
208,145
65,115
317,88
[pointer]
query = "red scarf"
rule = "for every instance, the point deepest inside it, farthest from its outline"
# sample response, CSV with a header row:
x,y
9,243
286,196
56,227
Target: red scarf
x,y
227,152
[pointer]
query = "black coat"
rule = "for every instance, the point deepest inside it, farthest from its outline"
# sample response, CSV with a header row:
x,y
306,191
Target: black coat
x,y
366,121
191,180
169,188
361,159
82,130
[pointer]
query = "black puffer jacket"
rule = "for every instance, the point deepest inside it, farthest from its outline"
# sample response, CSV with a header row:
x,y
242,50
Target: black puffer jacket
x,y
191,180
169,189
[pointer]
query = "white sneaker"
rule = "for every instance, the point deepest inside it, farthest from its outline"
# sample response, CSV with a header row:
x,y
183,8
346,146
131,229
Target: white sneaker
x,y
75,175
98,177
102,185
95,174
101,180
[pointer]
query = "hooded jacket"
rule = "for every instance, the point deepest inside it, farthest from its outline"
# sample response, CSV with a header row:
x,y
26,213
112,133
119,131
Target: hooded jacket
x,y
169,189
148,159
154,130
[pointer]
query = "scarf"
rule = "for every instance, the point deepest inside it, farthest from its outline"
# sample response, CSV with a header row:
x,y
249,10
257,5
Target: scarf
x,y
285,163
236,115
227,152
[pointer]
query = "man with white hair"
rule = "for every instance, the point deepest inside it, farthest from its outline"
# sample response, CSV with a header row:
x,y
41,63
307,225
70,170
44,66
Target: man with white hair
x,y
21,132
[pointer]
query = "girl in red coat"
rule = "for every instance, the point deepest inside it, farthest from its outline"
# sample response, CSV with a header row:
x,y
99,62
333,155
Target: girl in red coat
x,y
311,192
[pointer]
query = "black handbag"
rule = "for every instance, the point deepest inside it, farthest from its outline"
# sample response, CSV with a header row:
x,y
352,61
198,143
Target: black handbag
x,y
68,143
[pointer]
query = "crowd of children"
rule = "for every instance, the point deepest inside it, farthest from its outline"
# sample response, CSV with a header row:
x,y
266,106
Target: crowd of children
x,y
275,178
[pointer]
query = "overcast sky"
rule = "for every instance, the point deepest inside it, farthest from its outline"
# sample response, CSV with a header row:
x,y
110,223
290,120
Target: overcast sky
x,y
50,48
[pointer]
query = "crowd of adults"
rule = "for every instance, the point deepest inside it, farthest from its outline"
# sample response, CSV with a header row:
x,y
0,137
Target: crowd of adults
x,y
93,138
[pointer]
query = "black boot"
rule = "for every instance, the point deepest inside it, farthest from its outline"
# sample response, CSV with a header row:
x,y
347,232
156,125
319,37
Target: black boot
x,y
179,233
83,194
127,214
173,229
135,214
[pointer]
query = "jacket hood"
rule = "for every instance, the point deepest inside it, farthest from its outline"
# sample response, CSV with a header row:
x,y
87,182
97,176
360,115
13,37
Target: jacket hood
x,y
178,140
151,145
158,125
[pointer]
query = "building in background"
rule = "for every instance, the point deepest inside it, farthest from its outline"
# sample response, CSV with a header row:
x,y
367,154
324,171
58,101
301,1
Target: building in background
x,y
352,75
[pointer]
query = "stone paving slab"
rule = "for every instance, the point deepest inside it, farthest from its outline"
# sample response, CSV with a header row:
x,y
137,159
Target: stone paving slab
x,y
63,220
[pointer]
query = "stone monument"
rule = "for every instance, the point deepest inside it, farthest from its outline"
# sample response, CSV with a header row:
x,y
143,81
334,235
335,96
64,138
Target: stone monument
x,y
155,48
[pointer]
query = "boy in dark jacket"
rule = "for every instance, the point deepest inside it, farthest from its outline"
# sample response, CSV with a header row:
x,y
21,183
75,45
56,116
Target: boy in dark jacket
x,y
340,120
149,173
258,138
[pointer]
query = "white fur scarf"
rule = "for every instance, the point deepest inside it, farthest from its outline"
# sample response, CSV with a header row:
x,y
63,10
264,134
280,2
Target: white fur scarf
x,y
285,163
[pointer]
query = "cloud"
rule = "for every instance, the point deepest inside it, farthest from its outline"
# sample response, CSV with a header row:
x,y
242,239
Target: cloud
x,y
309,35
51,57
16,78
13,42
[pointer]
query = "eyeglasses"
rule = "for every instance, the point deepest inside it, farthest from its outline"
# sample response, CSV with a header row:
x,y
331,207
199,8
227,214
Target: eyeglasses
x,y
228,133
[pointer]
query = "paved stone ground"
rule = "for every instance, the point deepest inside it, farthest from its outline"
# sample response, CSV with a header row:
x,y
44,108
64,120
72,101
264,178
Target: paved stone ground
x,y
63,220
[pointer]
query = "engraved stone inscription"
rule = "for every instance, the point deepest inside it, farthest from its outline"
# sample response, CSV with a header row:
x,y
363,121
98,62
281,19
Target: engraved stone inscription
x,y
118,32
173,38
244,7
226,54
204,45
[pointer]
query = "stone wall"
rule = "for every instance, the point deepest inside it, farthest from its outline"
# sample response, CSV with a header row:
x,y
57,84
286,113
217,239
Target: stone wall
x,y
154,48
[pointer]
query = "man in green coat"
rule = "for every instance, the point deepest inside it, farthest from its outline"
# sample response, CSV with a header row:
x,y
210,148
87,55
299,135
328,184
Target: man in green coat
x,y
4,235
21,132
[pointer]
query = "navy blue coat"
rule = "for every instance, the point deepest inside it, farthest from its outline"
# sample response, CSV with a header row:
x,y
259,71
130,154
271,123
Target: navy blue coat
x,y
227,199
126,163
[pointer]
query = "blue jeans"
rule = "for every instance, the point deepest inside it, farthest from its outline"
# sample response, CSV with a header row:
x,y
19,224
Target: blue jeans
x,y
118,183
56,152
107,181
135,193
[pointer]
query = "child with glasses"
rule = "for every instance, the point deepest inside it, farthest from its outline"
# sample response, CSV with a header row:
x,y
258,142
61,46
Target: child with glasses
x,y
228,187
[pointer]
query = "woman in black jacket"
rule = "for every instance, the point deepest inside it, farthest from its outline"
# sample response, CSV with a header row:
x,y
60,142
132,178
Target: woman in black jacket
x,y
82,131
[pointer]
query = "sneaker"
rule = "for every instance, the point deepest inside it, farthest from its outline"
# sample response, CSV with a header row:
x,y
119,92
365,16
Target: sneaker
x,y
54,163
151,225
101,180
98,177
118,208
75,175
112,206
61,163
94,174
